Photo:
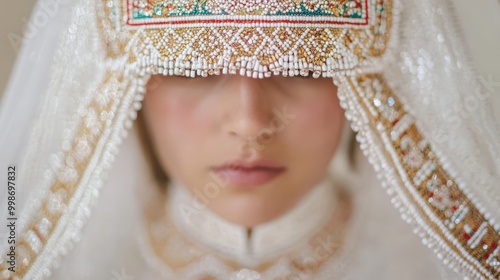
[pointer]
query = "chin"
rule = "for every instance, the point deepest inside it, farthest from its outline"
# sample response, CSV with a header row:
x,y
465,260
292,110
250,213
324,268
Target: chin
x,y
252,209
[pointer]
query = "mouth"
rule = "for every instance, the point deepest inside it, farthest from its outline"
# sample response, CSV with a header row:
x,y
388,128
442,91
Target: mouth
x,y
250,173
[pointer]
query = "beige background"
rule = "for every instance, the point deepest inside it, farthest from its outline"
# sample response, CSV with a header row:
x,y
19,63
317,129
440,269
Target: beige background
x,y
12,20
480,22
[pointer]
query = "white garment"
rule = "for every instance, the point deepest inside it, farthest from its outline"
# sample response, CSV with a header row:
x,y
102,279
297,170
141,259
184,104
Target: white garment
x,y
267,239
379,242
427,71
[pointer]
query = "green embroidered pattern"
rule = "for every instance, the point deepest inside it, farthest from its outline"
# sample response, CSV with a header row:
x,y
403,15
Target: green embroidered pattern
x,y
148,9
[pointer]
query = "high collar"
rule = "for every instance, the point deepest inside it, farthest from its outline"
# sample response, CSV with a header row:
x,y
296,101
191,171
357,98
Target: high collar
x,y
267,240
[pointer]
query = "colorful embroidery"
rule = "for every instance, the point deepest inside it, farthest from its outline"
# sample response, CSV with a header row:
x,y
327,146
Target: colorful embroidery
x,y
254,45
255,51
68,176
458,224
285,41
162,11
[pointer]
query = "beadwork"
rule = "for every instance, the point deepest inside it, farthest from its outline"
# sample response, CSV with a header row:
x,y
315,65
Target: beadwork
x,y
325,37
147,12
468,238
256,39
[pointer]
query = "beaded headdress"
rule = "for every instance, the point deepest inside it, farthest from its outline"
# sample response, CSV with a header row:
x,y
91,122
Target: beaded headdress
x,y
253,38
351,41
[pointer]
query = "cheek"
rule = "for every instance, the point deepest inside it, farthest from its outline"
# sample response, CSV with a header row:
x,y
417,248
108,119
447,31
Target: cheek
x,y
161,112
172,117
316,134
174,126
319,122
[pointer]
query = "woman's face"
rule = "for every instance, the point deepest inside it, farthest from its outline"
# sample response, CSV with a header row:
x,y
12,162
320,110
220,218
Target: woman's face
x,y
248,149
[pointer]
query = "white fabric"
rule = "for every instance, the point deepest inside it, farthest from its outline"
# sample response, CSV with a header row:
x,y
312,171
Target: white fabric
x,y
434,77
21,102
38,106
267,239
379,243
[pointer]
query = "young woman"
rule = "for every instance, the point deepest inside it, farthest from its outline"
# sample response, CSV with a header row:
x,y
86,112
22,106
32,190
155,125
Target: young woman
x,y
225,140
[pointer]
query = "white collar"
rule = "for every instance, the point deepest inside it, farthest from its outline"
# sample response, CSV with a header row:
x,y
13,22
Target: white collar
x,y
267,240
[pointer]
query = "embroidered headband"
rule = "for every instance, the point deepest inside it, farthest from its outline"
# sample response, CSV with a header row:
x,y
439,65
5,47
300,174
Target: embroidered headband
x,y
254,38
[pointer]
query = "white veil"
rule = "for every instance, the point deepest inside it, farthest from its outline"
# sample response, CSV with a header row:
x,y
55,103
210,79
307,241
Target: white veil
x,y
467,107
29,80
59,69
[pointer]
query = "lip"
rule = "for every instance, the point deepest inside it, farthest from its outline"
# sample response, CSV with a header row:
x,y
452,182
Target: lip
x,y
249,173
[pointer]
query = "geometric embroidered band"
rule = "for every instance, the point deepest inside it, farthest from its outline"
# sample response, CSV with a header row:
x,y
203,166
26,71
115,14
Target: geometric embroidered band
x,y
467,237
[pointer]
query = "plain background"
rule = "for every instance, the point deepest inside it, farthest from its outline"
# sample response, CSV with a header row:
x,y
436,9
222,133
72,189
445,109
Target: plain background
x,y
479,21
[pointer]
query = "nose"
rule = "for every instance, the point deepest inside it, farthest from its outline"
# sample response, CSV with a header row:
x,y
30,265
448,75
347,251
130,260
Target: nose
x,y
250,107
